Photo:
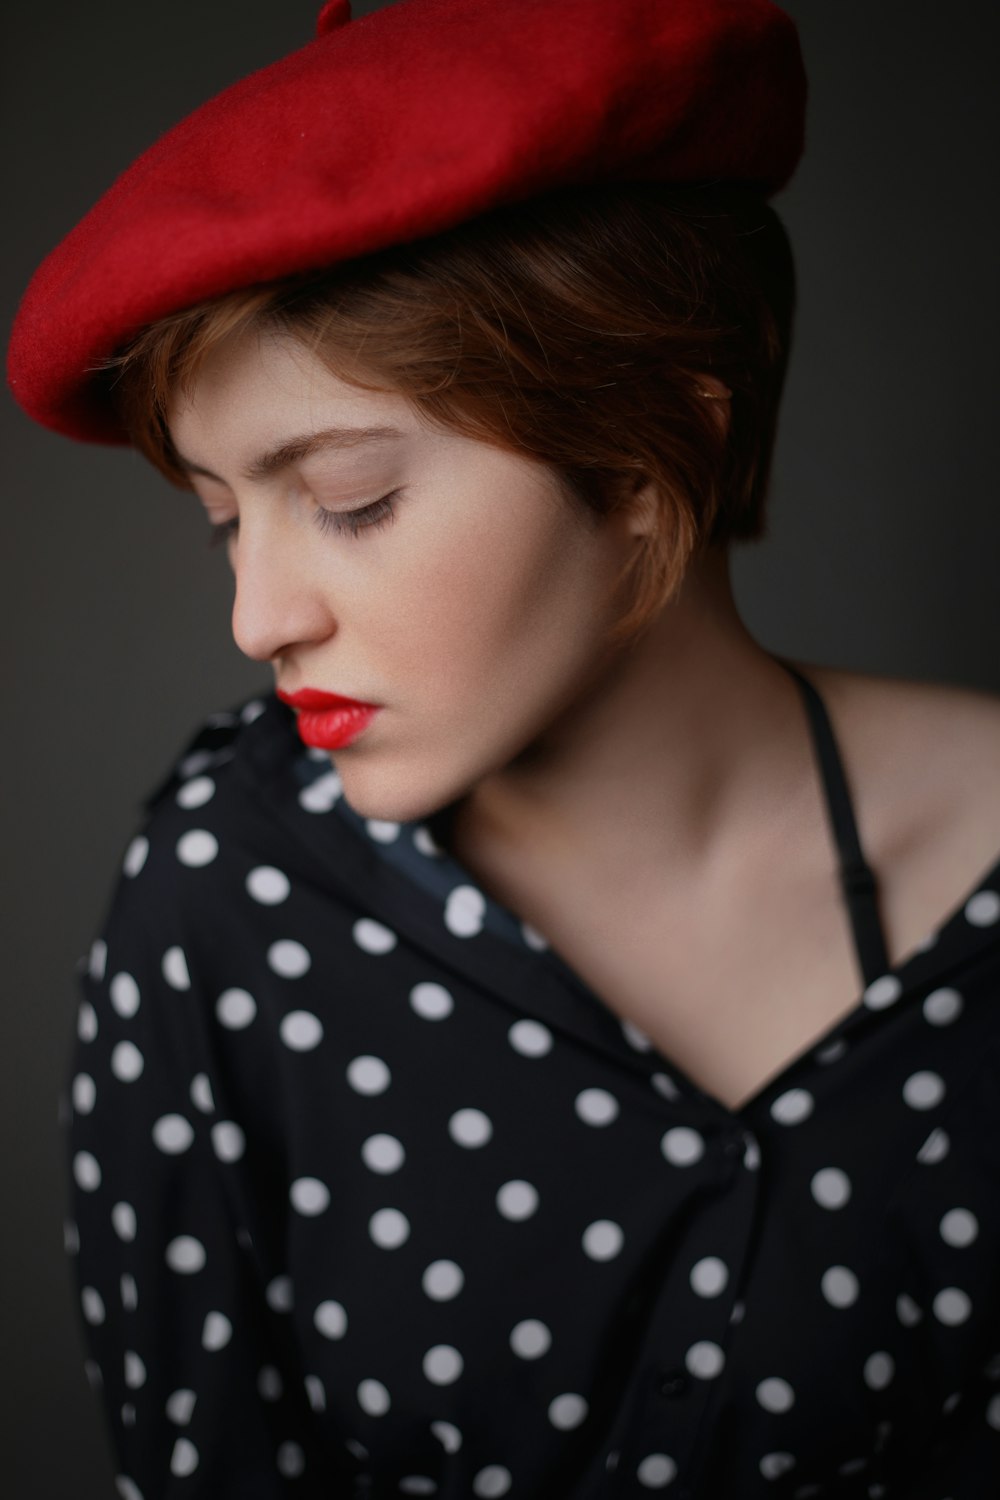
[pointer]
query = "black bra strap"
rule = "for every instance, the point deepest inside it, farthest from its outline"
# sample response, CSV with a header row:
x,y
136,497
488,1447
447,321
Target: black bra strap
x,y
856,876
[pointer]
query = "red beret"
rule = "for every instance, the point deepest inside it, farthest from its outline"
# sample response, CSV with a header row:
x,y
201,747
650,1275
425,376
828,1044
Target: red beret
x,y
393,126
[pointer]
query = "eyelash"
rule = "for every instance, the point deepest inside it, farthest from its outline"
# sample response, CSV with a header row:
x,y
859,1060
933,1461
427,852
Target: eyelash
x,y
379,513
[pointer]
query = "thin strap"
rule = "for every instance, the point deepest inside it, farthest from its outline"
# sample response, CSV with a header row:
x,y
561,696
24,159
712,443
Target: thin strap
x,y
856,876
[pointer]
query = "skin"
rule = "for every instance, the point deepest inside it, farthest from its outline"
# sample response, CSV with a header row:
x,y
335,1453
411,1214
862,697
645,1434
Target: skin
x,y
479,617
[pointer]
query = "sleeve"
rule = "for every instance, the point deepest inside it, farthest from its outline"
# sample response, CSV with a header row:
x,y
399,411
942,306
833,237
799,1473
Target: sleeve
x,y
962,1459
196,1372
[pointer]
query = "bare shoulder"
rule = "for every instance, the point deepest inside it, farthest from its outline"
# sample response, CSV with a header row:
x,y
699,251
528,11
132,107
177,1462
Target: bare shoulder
x,y
922,757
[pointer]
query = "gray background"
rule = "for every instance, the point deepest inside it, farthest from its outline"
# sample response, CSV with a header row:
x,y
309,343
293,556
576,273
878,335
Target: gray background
x,y
882,553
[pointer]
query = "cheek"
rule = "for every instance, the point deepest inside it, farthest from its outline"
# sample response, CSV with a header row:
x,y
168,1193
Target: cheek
x,y
506,601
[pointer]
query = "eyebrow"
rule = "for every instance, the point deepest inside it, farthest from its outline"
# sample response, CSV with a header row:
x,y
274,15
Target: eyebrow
x,y
298,448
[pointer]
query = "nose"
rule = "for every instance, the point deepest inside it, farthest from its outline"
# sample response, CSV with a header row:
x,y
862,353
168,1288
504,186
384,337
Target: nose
x,y
279,603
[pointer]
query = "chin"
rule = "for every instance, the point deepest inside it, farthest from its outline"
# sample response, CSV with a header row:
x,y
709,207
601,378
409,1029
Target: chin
x,y
377,795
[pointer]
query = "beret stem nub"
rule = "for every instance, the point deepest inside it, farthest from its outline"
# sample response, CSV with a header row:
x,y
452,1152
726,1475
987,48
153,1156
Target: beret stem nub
x,y
335,13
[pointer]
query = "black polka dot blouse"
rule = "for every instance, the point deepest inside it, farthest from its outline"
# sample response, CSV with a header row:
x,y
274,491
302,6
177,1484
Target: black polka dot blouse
x,y
371,1196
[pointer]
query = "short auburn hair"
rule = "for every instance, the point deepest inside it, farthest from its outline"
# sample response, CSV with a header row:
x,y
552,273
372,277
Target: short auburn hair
x,y
575,329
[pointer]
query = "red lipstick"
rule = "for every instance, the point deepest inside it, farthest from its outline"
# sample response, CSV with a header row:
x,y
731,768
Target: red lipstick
x,y
328,721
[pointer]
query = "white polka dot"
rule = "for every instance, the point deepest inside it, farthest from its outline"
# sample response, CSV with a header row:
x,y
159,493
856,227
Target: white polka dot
x,y
126,1062
951,1306
832,1052
320,795
831,1187
268,886
92,1304
665,1085
935,1148
372,936
442,1280
252,710
959,1227
442,1364
279,1294
432,1001
172,1134
289,958
983,909
490,1482
368,1075
923,1090
201,1093
775,1394
879,1370
636,1037
123,1219
738,1313
389,1228
196,792
882,992
123,992
331,1320
196,848
470,1127
417,1484
193,764
382,830
228,1140
84,1093
135,1370
71,1238
603,1239
309,1196
907,1311
792,1107
942,1007
315,1392
993,1413
773,1465
839,1286
86,1021
530,1038
464,911
530,1338
185,1253
682,1146
751,1151
596,1106
373,1398
129,1292
135,856
383,1153
270,1386
235,1009
447,1435
126,1488
86,1171
184,1458
175,969
216,1331
92,1370
180,1405
567,1410
517,1199
656,1471
301,1030
709,1276
290,1460
705,1359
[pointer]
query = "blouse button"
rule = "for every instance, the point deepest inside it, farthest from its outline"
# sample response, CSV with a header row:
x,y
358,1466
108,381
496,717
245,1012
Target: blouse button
x,y
673,1383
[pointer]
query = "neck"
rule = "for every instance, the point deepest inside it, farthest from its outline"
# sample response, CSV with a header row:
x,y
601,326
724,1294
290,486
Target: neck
x,y
689,750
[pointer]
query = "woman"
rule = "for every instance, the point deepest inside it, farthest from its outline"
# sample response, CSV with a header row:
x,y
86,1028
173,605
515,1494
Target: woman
x,y
569,1068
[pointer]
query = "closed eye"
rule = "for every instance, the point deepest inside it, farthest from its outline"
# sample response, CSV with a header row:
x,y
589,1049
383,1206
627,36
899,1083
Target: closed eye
x,y
379,513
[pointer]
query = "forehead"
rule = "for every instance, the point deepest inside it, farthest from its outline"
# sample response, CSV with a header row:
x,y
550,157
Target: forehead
x,y
260,388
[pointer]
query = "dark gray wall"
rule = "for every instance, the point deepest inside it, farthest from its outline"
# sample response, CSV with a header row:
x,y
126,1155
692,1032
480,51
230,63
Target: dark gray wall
x,y
882,554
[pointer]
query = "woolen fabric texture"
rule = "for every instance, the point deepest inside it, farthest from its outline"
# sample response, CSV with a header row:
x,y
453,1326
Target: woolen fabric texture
x,y
394,126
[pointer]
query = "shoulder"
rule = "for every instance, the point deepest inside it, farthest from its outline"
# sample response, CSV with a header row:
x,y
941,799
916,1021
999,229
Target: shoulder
x,y
922,758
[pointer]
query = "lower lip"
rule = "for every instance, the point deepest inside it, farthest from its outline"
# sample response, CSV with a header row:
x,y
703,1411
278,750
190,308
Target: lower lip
x,y
332,728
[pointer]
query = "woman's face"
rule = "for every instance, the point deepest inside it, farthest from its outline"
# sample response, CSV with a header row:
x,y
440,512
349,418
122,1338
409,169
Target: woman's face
x,y
474,616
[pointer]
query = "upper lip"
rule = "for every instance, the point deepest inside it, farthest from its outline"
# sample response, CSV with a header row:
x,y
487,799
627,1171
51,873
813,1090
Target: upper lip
x,y
313,698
